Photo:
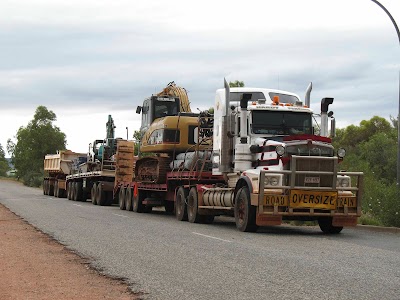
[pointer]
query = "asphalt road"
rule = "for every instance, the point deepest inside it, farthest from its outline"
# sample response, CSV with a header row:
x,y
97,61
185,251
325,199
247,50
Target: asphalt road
x,y
168,259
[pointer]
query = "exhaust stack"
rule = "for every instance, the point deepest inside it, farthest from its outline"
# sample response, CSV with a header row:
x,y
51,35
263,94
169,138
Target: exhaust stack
x,y
307,98
325,102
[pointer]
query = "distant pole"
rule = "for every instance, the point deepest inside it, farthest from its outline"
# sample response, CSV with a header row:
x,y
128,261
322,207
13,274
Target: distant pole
x,y
398,115
127,136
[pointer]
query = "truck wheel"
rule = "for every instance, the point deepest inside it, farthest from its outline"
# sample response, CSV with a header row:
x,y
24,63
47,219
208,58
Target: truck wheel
x,y
101,195
78,191
326,226
121,198
192,207
137,202
169,207
128,199
51,189
74,191
56,189
180,204
93,194
44,186
245,213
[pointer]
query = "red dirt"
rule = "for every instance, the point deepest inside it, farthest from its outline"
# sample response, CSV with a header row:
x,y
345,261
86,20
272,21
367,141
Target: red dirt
x,y
33,266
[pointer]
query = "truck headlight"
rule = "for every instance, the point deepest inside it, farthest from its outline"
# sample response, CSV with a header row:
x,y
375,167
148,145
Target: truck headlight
x,y
280,150
341,152
343,182
271,180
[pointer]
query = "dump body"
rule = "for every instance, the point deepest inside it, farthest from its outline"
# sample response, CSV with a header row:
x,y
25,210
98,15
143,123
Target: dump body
x,y
57,167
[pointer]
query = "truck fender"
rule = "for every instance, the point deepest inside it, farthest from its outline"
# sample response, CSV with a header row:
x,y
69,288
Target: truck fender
x,y
243,181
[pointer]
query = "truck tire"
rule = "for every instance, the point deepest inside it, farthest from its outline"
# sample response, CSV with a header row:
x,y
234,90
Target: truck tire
x,y
93,194
69,190
137,202
56,190
78,191
101,195
128,199
245,213
326,226
44,186
192,207
180,204
51,189
73,191
121,198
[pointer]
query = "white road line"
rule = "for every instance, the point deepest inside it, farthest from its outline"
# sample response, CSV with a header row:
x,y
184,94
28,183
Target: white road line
x,y
77,205
212,237
120,215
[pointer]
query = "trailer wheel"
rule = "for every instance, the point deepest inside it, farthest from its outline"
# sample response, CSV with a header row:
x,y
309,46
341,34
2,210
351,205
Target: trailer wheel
x,y
93,194
192,207
326,226
245,213
56,188
69,190
128,199
51,189
78,191
137,202
101,195
45,187
121,198
180,204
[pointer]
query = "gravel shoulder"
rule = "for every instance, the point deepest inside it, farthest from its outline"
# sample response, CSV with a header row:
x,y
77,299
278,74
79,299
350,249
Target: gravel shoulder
x,y
34,266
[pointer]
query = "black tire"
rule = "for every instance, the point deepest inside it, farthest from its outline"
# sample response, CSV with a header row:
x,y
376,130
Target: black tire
x,y
101,195
180,204
44,187
56,189
192,207
121,198
169,207
326,226
245,213
78,191
72,195
128,199
51,189
137,202
93,194
70,190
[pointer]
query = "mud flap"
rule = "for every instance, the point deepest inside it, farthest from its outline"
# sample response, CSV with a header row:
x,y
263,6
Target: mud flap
x,y
268,220
342,221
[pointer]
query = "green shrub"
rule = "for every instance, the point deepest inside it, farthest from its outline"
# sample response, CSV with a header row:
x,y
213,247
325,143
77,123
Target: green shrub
x,y
33,179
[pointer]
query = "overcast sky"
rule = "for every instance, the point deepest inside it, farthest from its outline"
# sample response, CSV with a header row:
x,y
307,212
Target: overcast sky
x,y
87,59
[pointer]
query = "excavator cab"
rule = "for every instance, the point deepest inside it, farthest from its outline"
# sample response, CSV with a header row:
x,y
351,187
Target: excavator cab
x,y
157,107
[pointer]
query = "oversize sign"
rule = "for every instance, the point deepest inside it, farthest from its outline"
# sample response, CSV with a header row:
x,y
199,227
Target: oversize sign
x,y
313,199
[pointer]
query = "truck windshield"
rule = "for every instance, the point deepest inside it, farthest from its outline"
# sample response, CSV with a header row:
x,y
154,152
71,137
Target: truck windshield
x,y
281,123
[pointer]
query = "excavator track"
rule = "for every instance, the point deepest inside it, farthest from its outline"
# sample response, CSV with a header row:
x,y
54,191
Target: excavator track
x,y
152,169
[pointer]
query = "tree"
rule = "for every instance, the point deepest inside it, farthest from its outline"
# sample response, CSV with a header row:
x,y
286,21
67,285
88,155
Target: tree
x,y
236,83
3,162
137,136
33,142
372,148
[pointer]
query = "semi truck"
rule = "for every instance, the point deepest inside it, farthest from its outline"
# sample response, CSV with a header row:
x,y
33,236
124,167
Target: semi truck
x,y
255,156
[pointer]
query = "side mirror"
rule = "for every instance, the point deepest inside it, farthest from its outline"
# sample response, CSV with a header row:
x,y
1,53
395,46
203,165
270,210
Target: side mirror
x,y
138,109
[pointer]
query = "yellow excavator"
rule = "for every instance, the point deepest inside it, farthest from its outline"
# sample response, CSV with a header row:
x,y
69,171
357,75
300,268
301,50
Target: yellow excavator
x,y
168,128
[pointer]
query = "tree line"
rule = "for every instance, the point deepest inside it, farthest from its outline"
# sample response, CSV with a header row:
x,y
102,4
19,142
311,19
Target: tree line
x,y
371,147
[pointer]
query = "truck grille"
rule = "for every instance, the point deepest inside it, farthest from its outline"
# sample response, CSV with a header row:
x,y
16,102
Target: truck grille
x,y
316,165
